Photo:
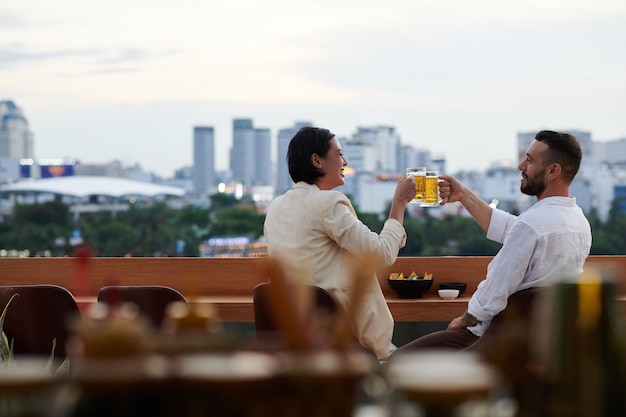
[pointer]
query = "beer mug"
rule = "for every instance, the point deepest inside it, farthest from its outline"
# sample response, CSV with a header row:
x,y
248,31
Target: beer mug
x,y
418,173
431,189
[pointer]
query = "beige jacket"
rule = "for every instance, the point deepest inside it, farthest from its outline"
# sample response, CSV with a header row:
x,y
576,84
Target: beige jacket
x,y
319,230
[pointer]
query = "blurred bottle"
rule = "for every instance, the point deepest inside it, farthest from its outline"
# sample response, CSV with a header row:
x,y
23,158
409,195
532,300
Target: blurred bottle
x,y
576,365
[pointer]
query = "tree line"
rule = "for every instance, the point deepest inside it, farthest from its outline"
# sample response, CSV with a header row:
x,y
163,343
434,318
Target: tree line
x,y
44,229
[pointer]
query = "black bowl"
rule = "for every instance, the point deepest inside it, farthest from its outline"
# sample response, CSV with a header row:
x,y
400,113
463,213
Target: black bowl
x,y
461,286
410,288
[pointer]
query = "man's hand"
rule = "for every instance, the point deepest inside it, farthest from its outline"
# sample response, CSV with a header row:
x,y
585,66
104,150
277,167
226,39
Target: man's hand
x,y
466,320
450,189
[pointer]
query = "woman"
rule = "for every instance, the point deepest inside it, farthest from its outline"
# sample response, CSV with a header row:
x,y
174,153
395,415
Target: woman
x,y
315,227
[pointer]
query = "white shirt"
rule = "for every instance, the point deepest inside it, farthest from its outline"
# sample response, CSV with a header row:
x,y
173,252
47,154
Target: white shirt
x,y
319,231
550,239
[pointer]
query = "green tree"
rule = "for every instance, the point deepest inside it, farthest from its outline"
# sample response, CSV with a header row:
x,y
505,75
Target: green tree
x,y
192,224
36,227
414,237
52,212
115,238
478,246
154,229
237,222
604,243
221,201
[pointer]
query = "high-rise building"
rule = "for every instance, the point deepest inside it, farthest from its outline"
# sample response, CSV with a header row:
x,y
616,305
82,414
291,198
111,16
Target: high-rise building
x,y
410,158
611,152
251,154
263,169
361,155
385,141
242,152
283,179
16,140
203,177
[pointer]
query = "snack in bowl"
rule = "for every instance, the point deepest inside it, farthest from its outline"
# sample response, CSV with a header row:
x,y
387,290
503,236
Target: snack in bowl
x,y
411,276
410,286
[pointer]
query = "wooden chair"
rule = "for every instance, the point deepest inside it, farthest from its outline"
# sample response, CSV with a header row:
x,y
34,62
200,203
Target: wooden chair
x,y
37,319
264,322
152,300
507,341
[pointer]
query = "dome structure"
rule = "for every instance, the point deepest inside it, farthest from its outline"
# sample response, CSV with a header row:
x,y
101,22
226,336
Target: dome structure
x,y
87,186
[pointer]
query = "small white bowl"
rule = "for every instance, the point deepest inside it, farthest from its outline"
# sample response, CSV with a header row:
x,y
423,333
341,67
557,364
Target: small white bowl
x,y
448,294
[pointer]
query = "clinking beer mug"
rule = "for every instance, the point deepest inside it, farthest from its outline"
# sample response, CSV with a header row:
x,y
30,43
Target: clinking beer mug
x,y
420,185
431,189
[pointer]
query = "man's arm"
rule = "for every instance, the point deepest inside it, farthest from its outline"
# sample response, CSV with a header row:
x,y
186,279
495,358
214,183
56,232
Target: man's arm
x,y
451,189
466,320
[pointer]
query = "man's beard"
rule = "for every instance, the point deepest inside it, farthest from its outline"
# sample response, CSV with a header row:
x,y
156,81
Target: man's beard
x,y
535,185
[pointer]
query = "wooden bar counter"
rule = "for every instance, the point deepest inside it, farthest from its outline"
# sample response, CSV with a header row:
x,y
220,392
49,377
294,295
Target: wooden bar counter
x,y
228,282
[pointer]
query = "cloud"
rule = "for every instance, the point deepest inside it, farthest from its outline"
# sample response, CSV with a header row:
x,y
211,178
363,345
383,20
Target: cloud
x,y
12,56
481,70
97,61
8,19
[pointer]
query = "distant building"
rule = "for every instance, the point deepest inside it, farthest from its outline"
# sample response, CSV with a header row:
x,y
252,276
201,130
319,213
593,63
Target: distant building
x,y
500,186
203,173
113,169
611,152
385,141
375,193
263,168
250,155
9,169
437,164
361,155
412,158
16,139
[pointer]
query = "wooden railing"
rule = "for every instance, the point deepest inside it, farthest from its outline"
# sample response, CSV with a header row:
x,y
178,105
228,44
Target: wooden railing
x,y
228,282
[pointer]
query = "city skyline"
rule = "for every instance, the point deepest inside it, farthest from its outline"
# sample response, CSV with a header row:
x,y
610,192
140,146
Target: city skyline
x,y
461,79
275,140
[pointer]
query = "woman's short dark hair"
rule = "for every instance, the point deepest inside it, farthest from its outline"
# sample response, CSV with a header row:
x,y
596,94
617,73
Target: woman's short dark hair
x,y
563,149
306,142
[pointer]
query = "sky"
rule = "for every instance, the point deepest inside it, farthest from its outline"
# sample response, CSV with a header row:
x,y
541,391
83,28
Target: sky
x,y
100,80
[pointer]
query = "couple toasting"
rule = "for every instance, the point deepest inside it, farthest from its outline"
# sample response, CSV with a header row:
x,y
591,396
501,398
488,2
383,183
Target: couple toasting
x,y
314,226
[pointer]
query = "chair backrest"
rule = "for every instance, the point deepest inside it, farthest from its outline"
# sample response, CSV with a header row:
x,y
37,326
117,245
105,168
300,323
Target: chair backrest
x,y
152,300
507,341
323,301
37,316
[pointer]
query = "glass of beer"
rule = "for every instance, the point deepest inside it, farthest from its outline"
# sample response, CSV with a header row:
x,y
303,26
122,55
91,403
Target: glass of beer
x,y
418,173
431,189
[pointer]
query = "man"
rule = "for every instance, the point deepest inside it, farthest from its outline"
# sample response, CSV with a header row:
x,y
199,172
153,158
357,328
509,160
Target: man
x,y
551,238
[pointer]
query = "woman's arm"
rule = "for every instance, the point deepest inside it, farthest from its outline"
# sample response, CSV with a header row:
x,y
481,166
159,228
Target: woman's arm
x,y
405,192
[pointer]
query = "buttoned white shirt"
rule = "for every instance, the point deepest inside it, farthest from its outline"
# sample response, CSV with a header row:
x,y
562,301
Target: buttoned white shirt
x,y
319,231
550,240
